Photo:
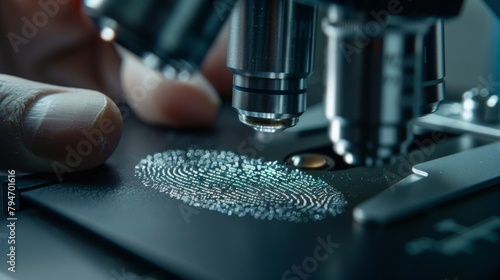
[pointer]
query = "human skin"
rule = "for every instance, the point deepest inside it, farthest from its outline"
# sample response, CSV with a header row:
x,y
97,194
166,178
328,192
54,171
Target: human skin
x,y
71,80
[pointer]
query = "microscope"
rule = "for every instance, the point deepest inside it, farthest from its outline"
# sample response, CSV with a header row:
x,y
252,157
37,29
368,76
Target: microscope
x,y
384,60
432,214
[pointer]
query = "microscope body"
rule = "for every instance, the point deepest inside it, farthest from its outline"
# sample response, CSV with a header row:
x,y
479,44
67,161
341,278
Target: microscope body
x,y
384,60
384,68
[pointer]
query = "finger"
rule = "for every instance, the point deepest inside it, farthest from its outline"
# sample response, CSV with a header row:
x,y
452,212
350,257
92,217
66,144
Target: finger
x,y
158,100
214,67
80,58
52,41
55,129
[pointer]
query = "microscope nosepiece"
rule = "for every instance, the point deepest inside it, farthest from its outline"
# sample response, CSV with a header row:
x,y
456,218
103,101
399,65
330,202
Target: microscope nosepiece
x,y
270,52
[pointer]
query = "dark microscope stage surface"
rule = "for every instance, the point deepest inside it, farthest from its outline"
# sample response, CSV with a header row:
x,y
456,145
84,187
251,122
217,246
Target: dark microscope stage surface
x,y
448,242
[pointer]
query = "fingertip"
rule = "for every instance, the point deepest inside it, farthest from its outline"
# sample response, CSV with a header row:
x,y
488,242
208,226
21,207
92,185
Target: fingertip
x,y
186,105
160,101
71,131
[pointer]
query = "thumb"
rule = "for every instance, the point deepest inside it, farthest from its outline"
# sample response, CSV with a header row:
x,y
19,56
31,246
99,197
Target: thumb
x,y
48,128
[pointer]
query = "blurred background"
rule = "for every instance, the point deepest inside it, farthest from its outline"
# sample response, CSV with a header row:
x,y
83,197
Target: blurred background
x,y
471,45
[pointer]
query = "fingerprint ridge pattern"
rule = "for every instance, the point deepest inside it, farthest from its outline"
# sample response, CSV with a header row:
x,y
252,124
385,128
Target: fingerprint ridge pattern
x,y
238,185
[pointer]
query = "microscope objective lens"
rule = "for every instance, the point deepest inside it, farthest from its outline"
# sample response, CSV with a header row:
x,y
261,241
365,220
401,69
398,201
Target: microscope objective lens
x,y
238,185
271,58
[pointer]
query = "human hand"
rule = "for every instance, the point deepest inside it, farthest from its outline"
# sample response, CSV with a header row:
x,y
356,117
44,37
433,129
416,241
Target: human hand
x,y
71,108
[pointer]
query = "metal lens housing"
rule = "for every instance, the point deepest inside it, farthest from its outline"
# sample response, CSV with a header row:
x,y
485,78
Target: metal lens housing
x,y
270,52
373,82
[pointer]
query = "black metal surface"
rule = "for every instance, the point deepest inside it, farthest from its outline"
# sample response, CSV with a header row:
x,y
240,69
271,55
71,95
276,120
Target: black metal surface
x,y
47,248
433,183
200,244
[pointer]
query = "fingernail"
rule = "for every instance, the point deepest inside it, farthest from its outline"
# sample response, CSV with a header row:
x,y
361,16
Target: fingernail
x,y
199,81
187,105
61,123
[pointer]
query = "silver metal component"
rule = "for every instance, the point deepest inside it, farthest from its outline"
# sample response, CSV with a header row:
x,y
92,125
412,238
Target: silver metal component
x,y
94,4
267,123
449,118
433,182
108,29
373,83
311,161
270,52
175,70
480,105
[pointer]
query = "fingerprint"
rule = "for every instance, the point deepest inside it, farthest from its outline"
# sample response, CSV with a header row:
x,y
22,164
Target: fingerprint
x,y
238,185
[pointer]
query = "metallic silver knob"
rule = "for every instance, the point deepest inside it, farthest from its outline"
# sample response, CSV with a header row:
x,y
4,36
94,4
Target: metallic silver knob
x,y
270,53
481,105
